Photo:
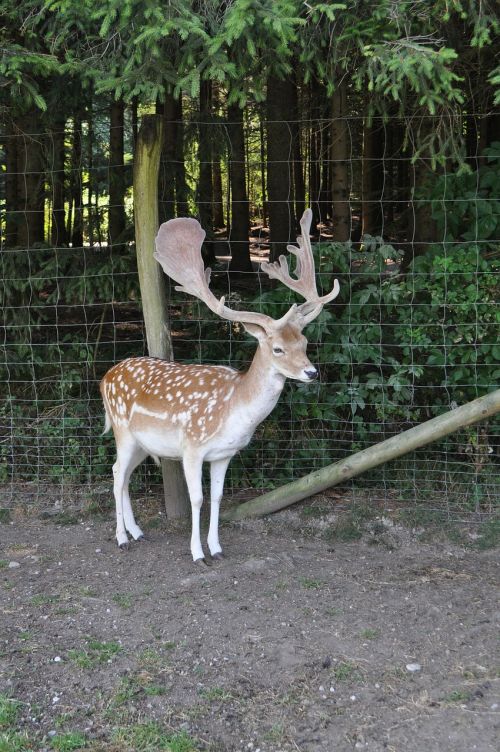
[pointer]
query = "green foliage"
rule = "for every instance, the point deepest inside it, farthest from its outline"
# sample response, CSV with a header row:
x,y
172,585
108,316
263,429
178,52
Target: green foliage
x,y
150,737
9,711
71,740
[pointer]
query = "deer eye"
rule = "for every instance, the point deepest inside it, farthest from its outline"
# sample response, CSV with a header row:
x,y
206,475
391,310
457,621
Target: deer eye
x,y
278,351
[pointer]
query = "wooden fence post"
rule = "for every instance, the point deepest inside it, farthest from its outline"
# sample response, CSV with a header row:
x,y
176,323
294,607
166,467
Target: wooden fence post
x,y
331,475
152,283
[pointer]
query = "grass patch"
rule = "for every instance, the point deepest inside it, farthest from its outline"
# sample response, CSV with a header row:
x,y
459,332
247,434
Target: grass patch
x,y
458,695
214,694
3,564
346,671
72,740
350,526
44,600
369,634
95,653
489,534
16,742
123,600
9,712
5,515
150,737
311,584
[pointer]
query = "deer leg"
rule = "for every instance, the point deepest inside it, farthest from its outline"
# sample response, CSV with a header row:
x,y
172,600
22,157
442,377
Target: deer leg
x,y
192,464
128,515
217,474
128,457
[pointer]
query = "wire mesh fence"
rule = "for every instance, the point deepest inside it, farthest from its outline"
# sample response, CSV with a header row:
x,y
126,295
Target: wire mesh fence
x,y
413,333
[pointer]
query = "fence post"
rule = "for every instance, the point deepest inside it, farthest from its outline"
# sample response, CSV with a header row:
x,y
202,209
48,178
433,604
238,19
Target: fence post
x,y
152,283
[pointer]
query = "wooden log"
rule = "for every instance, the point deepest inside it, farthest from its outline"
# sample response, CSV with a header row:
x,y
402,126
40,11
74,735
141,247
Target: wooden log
x,y
426,433
152,283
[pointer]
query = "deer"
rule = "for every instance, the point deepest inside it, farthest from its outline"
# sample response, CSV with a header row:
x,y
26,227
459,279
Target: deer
x,y
206,413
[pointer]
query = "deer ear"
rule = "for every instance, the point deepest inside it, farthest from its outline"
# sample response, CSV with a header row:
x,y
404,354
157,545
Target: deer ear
x,y
256,331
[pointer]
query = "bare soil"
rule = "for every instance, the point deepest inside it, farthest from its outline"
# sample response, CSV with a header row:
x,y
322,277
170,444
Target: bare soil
x,y
293,642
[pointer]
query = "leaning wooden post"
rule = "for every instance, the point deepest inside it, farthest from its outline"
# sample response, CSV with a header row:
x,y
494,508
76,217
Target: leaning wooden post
x,y
432,430
152,282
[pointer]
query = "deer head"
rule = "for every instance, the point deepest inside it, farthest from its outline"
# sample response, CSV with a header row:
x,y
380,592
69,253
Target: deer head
x,y
178,250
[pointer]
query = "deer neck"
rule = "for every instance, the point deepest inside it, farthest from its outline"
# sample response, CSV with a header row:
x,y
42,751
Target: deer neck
x,y
260,386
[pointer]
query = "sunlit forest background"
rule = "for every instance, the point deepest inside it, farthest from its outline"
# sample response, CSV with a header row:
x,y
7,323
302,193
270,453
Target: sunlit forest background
x,y
382,116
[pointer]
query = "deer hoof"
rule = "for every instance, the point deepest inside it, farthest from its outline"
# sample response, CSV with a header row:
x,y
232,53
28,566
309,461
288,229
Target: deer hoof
x,y
202,563
219,556
142,539
124,546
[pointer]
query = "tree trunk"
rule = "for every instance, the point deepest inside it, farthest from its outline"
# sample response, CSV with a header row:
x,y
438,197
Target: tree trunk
x,y
218,207
279,165
299,190
31,181
152,282
166,182
340,165
76,180
116,215
421,226
373,178
204,198
58,235
181,188
263,169
240,220
11,194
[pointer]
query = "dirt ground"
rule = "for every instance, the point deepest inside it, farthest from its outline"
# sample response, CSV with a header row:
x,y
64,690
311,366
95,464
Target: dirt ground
x,y
292,643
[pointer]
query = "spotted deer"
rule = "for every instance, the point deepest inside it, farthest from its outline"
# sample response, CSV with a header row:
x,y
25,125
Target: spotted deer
x,y
203,413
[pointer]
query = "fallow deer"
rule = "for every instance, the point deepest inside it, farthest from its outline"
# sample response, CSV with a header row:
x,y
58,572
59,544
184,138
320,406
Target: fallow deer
x,y
198,413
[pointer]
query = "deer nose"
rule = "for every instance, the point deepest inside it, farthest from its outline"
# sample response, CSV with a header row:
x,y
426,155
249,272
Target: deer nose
x,y
311,373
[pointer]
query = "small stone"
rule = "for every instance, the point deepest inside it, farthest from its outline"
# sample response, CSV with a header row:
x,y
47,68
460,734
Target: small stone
x,y
57,659
332,689
494,706
353,697
413,667
14,564
321,688
98,550
55,699
53,732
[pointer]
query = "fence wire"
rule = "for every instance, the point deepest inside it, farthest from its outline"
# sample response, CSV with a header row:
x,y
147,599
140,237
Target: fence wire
x,y
413,333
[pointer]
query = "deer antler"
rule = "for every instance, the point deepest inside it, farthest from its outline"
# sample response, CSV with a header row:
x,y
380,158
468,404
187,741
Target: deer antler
x,y
178,250
305,284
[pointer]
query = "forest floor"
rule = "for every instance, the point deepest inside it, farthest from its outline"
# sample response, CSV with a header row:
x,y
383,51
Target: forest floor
x,y
297,641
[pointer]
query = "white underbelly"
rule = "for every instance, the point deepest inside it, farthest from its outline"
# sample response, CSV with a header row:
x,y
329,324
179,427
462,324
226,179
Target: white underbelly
x,y
160,443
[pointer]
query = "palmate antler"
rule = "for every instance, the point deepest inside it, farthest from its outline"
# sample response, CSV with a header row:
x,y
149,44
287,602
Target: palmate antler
x,y
178,250
305,284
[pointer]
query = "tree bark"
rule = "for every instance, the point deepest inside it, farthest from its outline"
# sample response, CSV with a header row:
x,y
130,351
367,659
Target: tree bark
x,y
31,181
76,180
167,174
340,165
218,207
299,190
279,165
116,214
240,219
152,282
421,226
204,198
11,193
373,178
181,188
58,236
